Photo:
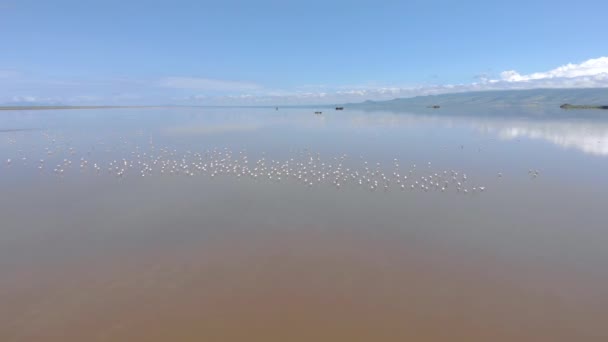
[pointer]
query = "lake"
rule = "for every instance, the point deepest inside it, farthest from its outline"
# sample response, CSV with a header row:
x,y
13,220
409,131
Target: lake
x,y
256,224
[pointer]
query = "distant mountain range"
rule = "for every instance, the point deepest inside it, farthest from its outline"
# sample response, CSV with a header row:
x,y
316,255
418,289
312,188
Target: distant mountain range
x,y
533,99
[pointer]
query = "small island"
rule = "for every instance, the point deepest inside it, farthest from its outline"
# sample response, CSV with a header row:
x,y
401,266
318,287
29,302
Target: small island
x,y
570,106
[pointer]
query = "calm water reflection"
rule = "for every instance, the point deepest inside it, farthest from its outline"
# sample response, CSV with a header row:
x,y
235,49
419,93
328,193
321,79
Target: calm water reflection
x,y
94,255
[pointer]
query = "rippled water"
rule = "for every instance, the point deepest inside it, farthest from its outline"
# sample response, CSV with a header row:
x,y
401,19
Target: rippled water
x,y
173,224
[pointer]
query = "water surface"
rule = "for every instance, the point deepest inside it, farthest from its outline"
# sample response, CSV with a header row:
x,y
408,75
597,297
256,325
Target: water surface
x,y
116,227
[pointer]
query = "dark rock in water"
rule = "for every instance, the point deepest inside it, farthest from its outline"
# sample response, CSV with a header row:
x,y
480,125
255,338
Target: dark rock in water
x,y
569,106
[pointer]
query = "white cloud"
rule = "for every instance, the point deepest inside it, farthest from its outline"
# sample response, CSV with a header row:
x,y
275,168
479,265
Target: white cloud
x,y
592,73
26,98
591,67
194,83
30,99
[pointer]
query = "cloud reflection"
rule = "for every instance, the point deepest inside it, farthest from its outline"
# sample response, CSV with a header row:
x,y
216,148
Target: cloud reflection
x,y
211,129
590,138
587,135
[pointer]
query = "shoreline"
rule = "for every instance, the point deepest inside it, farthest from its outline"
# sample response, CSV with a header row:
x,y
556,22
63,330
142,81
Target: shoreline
x,y
72,107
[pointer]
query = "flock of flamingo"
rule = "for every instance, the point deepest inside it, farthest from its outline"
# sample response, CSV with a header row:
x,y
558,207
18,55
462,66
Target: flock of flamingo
x,y
304,167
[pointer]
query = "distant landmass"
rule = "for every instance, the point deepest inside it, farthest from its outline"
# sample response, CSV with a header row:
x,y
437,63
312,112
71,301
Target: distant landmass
x,y
46,107
533,99
529,100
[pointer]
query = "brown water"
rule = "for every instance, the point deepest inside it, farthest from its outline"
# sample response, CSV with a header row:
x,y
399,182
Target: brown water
x,y
87,256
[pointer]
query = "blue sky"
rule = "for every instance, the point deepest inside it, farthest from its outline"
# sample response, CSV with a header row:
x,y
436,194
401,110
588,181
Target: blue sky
x,y
267,52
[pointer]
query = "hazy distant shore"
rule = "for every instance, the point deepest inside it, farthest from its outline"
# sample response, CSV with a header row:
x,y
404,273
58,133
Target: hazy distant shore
x,y
71,107
158,106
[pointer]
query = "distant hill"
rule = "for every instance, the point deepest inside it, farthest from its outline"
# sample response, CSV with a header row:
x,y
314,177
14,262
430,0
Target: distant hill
x,y
534,99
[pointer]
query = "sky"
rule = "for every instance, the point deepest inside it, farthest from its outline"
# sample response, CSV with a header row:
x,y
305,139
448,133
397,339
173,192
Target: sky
x,y
197,52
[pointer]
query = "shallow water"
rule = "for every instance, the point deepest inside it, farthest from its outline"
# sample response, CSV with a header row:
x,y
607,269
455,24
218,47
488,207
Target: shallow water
x,y
125,231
